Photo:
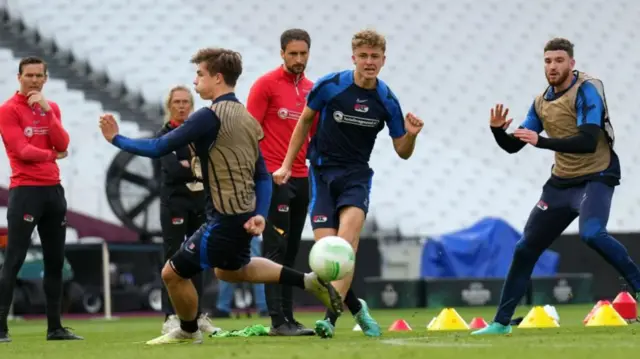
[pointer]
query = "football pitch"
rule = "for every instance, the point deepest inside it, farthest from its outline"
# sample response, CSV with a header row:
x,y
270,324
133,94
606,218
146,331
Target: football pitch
x,y
124,338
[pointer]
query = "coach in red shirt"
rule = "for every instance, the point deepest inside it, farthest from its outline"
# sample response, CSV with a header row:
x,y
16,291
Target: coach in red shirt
x,y
34,139
276,100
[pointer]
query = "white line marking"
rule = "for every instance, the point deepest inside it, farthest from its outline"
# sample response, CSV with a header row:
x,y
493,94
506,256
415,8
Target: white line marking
x,y
425,342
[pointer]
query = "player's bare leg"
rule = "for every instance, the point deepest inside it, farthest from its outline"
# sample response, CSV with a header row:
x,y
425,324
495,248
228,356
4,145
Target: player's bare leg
x,y
351,223
262,270
184,298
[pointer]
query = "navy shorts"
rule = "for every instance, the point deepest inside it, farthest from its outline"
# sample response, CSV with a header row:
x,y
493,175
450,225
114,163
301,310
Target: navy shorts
x,y
333,188
221,242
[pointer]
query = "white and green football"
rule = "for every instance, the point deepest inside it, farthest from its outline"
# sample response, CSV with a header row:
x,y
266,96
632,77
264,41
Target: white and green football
x,y
332,258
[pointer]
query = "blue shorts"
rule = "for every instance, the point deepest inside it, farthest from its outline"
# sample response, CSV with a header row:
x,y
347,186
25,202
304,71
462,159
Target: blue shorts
x,y
221,242
333,188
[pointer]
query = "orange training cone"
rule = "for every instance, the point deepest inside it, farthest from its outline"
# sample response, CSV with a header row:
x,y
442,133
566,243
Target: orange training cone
x,y
626,306
400,326
477,323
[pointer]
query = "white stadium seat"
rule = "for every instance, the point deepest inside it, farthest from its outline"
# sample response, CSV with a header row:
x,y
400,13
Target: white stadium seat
x,y
447,61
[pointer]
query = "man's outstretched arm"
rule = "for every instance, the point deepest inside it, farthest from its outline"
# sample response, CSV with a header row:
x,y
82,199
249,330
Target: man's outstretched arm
x,y
203,121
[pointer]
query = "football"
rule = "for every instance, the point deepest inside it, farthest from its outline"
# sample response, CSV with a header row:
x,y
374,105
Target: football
x,y
332,258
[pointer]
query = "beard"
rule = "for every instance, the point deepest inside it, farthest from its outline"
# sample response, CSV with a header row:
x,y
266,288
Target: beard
x,y
560,79
296,69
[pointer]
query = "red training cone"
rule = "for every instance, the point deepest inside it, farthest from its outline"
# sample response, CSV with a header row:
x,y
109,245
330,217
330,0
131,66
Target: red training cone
x,y
400,326
594,309
626,306
477,323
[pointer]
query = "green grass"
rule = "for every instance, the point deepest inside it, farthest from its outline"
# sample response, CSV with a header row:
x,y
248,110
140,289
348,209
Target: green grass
x,y
124,338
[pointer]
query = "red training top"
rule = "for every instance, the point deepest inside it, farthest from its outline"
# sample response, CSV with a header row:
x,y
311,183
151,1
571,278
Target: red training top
x,y
276,100
32,139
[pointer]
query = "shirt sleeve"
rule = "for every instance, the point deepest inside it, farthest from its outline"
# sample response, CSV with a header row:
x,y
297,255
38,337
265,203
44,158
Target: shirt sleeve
x,y
262,179
586,141
532,121
15,142
258,100
395,120
589,105
200,123
57,134
320,95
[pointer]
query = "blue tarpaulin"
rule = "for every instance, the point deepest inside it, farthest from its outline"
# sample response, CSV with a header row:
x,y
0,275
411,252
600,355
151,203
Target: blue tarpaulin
x,y
483,250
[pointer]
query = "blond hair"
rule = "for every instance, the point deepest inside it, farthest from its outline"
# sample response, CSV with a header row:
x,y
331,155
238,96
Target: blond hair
x,y
369,38
167,102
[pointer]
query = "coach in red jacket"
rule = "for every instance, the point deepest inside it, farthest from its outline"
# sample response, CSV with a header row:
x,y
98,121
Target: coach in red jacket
x,y
34,139
276,100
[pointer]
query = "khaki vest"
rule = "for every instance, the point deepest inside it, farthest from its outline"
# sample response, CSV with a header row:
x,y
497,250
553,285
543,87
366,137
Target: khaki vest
x,y
559,120
232,159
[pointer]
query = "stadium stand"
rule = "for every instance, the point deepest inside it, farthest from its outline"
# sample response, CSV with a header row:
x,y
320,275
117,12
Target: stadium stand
x,y
449,62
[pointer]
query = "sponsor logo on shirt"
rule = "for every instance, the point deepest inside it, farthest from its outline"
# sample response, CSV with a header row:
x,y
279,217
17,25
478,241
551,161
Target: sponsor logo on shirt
x,y
340,117
38,131
286,114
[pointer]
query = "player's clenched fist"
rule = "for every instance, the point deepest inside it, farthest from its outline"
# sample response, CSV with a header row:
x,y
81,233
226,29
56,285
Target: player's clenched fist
x,y
499,117
108,126
255,225
413,124
282,175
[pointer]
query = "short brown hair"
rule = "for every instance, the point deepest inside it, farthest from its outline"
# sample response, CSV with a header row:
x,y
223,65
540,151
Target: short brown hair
x,y
222,61
31,60
293,35
368,38
559,44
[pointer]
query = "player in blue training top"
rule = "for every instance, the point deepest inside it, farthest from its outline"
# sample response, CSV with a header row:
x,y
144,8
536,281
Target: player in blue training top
x,y
573,112
225,138
354,106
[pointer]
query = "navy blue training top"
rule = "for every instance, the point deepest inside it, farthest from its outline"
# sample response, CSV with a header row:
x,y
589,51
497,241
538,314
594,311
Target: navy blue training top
x,y
350,119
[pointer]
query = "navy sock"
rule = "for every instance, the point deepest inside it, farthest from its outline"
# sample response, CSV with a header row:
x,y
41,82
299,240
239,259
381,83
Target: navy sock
x,y
515,286
617,256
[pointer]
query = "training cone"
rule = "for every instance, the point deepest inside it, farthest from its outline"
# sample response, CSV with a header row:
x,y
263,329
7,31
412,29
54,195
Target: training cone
x,y
448,319
626,306
400,326
606,316
357,328
553,313
538,318
593,310
477,323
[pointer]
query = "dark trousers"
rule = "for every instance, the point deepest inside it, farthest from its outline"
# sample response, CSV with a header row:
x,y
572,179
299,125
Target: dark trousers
x,y
44,207
287,213
554,212
178,224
